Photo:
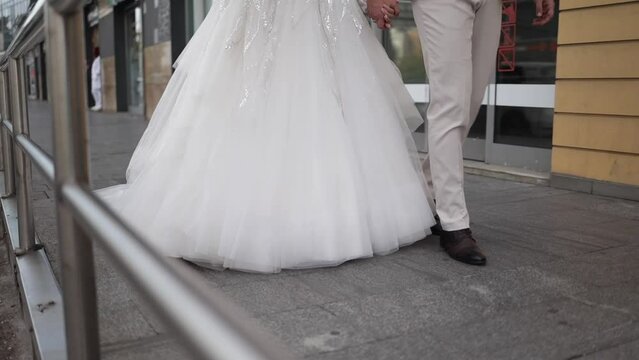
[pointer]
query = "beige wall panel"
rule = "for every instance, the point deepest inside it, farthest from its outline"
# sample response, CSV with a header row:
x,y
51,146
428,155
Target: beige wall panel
x,y
602,60
611,97
608,133
109,101
598,24
597,165
576,4
157,72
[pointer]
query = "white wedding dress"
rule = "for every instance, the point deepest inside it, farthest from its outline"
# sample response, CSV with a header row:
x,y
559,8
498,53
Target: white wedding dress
x,y
283,140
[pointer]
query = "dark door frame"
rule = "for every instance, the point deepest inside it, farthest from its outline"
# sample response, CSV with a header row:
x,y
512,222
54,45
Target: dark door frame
x,y
122,85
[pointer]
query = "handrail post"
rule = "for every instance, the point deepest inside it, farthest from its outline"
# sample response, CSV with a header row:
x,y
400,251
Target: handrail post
x,y
65,36
2,117
20,119
7,147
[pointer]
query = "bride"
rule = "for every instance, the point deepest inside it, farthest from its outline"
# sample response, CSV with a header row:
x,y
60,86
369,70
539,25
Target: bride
x,y
282,141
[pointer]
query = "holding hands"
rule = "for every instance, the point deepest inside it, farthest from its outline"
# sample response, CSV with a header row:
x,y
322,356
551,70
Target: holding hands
x,y
545,11
383,12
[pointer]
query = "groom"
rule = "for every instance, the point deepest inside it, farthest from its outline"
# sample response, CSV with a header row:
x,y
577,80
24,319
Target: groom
x,y
459,40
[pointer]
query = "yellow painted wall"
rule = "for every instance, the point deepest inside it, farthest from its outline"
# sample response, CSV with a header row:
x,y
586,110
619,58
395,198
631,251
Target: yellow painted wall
x,y
596,131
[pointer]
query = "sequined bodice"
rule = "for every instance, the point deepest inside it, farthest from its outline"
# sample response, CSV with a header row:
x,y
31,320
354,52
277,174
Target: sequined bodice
x,y
258,27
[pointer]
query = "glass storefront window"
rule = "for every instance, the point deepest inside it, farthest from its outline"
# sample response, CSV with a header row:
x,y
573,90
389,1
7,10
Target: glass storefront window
x,y
32,75
478,130
403,47
196,11
528,53
134,58
527,56
524,126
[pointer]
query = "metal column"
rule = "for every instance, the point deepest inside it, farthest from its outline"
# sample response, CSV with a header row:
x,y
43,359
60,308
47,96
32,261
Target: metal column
x,y
7,141
20,119
68,97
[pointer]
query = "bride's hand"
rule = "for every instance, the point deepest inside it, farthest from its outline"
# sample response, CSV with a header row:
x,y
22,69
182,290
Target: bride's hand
x,y
382,24
383,12
389,14
391,10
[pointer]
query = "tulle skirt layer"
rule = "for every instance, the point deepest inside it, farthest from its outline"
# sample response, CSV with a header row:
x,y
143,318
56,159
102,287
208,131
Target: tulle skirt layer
x,y
283,140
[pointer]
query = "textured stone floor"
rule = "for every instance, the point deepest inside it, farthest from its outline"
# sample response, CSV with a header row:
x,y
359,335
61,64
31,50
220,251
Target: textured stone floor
x,y
14,338
562,280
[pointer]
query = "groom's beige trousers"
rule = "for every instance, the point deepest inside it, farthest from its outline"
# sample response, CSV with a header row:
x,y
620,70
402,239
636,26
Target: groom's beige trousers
x,y
459,39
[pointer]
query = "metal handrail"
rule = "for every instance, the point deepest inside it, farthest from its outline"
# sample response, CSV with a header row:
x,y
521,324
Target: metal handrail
x,y
212,327
39,157
6,132
8,125
181,302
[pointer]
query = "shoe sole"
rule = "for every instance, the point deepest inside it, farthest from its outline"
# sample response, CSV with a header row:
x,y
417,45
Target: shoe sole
x,y
473,263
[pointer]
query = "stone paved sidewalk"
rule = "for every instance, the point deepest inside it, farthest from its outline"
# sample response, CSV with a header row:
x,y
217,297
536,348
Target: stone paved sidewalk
x,y
562,280
14,341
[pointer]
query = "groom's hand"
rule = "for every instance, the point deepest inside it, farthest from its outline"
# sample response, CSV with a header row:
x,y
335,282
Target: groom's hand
x,y
545,12
383,12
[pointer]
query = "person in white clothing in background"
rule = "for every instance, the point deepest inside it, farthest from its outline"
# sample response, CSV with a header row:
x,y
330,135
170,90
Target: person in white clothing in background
x,y
96,80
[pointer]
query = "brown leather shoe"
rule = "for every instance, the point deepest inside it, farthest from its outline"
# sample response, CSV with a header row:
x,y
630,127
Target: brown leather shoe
x,y
461,246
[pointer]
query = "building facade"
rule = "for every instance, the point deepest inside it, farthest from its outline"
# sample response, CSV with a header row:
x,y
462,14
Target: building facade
x,y
515,124
563,99
138,41
596,124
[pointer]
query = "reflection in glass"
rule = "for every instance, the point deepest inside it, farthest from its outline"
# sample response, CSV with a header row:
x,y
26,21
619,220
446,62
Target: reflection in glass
x,y
478,130
403,47
12,15
135,69
524,126
535,52
196,11
535,47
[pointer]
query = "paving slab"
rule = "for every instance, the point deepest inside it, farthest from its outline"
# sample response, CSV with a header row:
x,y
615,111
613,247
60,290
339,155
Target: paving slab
x,y
629,350
154,348
411,346
601,268
561,329
313,330
561,282
515,289
14,337
389,314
